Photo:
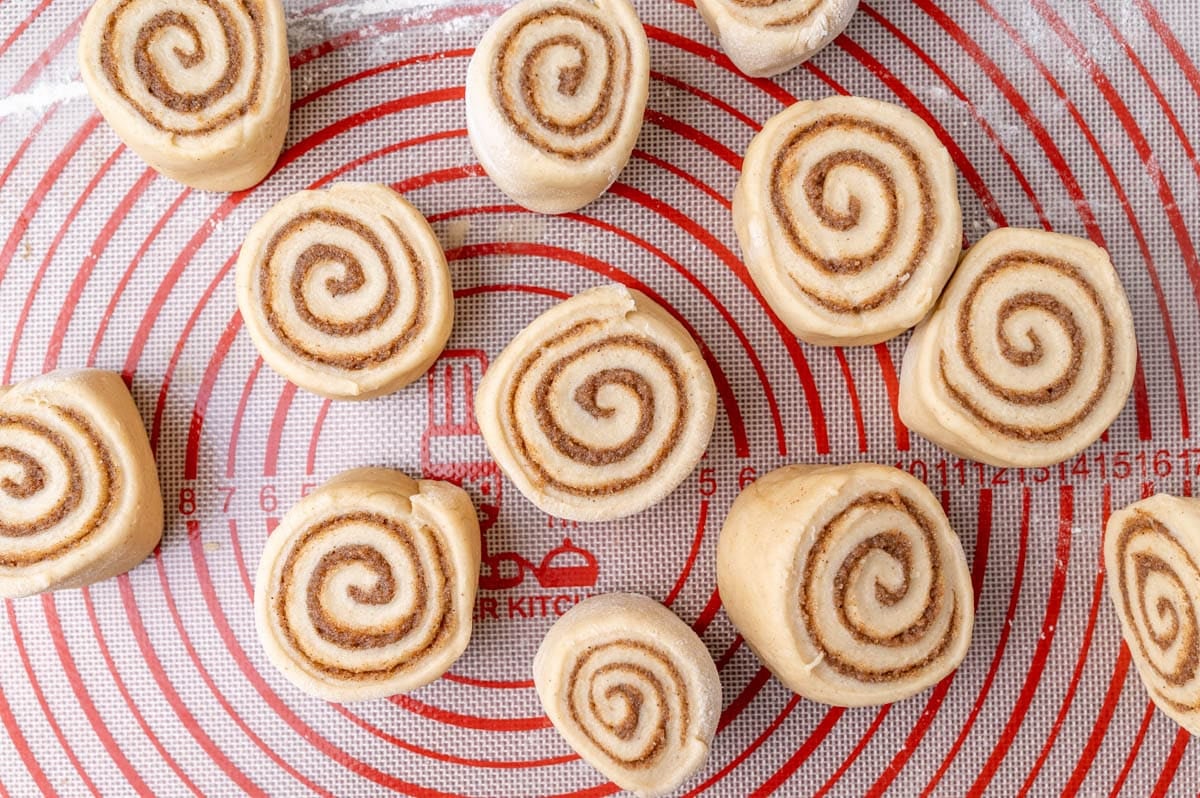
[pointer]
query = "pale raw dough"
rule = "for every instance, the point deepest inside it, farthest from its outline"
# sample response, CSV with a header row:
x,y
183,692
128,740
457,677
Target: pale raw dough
x,y
765,37
346,291
621,661
200,90
555,95
1029,355
367,586
847,212
847,582
600,407
79,495
1152,563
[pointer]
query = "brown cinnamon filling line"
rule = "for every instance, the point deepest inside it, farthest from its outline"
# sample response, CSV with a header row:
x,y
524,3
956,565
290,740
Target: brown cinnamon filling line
x,y
155,79
433,608
353,279
784,21
632,697
34,481
898,545
609,108
784,174
1183,623
1032,354
635,384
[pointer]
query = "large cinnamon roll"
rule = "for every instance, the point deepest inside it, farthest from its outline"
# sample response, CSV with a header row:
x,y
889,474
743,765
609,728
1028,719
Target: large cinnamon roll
x,y
200,89
847,212
79,495
1029,356
766,37
847,582
346,291
599,408
1152,561
632,689
555,95
367,586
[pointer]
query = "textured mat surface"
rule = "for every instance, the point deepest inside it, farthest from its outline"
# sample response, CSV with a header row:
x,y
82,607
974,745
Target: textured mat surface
x,y
1078,115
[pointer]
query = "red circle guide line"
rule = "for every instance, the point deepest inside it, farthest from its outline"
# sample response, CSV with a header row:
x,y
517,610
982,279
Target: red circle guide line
x,y
1082,659
986,519
1042,651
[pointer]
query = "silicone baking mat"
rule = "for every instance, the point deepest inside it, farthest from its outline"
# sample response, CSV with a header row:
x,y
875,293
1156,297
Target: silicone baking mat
x,y
1078,115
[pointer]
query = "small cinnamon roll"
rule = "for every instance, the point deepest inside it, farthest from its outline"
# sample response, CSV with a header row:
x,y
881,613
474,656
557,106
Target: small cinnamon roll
x,y
367,586
847,582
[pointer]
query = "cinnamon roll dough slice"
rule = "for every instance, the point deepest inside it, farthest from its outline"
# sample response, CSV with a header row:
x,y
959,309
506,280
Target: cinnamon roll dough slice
x,y
765,37
632,689
555,95
1029,355
847,213
599,408
1152,563
367,586
346,291
847,582
200,89
79,495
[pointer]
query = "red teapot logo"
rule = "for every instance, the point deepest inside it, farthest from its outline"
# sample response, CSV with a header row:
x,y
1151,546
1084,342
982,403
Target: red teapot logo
x,y
452,449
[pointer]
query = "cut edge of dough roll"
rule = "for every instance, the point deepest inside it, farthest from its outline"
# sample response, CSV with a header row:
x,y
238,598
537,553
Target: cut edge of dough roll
x,y
541,181
926,408
135,522
441,506
359,201
614,620
235,157
769,533
1180,517
781,273
629,311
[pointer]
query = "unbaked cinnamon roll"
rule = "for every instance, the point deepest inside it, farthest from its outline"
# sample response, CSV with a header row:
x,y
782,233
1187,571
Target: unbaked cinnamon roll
x,y
200,89
766,37
1152,561
346,291
79,494
632,689
847,213
1029,356
847,582
555,95
600,407
367,586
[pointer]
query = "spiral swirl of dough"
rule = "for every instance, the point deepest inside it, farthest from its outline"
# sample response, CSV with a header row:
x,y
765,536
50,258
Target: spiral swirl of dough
x,y
862,569
201,88
188,69
64,487
848,216
361,592
766,37
79,495
883,613
1152,558
346,291
1034,350
555,96
601,407
596,77
631,688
